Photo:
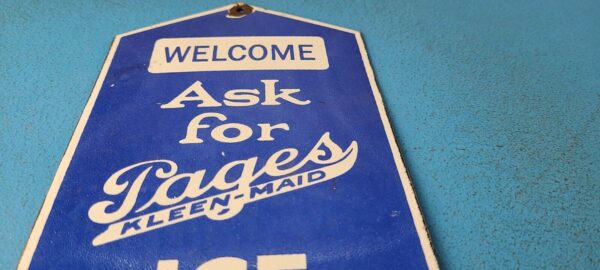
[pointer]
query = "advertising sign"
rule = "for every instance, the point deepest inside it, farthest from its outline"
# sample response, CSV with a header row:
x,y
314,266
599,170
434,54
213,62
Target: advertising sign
x,y
239,138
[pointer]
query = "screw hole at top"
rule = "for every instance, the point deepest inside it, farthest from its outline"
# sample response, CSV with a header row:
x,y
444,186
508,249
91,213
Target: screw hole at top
x,y
239,10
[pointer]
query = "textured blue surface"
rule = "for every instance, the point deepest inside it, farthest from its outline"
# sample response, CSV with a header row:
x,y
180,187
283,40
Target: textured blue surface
x,y
496,105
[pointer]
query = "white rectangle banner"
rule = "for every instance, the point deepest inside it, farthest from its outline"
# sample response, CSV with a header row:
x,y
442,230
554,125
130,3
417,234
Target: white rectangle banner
x,y
238,53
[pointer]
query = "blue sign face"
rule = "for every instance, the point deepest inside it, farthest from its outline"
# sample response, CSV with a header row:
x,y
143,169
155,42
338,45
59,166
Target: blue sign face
x,y
221,142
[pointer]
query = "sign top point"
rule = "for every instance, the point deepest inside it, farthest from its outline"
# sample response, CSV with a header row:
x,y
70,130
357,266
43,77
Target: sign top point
x,y
229,7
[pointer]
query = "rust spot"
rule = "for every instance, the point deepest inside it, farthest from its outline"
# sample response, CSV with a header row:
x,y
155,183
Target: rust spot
x,y
240,10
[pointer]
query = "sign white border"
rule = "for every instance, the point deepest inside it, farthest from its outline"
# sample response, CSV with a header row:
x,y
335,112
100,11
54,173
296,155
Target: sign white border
x,y
40,223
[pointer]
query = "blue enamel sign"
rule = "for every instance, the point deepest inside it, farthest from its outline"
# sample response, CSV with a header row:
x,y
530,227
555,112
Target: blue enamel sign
x,y
232,141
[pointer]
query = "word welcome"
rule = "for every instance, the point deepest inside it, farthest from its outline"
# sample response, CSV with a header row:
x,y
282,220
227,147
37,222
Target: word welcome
x,y
238,53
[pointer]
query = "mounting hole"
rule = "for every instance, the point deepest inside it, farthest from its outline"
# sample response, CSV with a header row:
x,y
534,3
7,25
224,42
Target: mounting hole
x,y
239,10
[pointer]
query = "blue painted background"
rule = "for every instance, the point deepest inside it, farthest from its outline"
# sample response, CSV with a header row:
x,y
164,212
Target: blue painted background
x,y
496,105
